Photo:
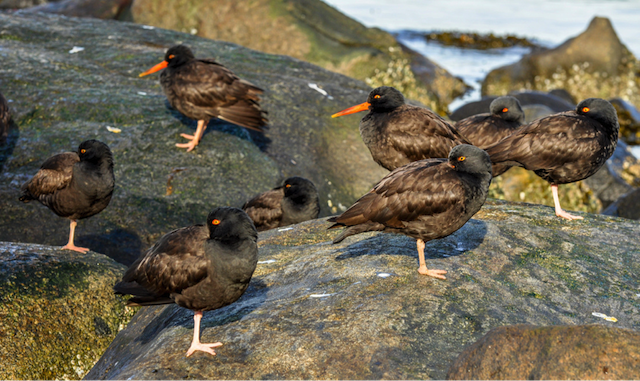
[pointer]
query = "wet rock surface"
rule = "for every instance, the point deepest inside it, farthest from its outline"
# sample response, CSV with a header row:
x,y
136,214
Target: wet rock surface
x,y
63,95
526,352
58,312
360,310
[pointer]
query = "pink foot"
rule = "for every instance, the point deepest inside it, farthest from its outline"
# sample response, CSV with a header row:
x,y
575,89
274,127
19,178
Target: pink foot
x,y
75,248
570,217
432,273
189,146
203,347
187,136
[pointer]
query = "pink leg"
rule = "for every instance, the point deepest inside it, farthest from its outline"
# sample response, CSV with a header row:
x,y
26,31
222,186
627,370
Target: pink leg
x,y
195,138
423,265
70,245
196,345
559,211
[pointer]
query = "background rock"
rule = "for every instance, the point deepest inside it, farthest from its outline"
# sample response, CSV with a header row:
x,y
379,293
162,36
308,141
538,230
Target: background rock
x,y
592,64
627,206
525,352
18,4
512,264
62,98
58,312
102,9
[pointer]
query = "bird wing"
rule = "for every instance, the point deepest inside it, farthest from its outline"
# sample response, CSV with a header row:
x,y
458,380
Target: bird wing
x,y
211,86
265,209
177,261
547,142
54,174
424,187
423,134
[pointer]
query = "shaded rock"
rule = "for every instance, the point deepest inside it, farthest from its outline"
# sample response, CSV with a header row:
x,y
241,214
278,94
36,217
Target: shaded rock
x,y
62,98
58,312
102,9
360,310
526,98
627,206
615,178
18,4
527,352
305,29
592,64
564,94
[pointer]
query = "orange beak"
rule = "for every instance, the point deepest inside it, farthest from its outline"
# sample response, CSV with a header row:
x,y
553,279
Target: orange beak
x,y
158,67
352,110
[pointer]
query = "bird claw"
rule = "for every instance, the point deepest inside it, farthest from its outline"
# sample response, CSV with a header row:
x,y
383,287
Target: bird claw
x,y
565,215
203,347
187,136
74,248
433,273
189,146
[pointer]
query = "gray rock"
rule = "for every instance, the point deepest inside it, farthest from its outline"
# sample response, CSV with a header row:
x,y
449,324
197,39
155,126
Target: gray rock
x,y
102,9
609,183
58,311
626,206
62,98
19,4
360,310
526,352
592,64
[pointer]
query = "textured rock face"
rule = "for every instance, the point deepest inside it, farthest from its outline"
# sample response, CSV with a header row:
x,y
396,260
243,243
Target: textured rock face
x,y
525,352
360,310
592,64
58,312
62,98
309,30
102,9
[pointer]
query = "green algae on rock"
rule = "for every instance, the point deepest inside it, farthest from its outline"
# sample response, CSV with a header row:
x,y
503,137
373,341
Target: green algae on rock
x,y
58,312
359,310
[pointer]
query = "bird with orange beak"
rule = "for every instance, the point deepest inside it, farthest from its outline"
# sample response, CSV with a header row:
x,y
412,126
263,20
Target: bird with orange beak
x,y
203,89
397,133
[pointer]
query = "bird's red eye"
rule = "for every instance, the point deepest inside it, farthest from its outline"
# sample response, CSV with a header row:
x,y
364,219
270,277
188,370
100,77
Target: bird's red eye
x,y
505,109
171,56
215,222
461,158
288,186
585,109
83,151
376,96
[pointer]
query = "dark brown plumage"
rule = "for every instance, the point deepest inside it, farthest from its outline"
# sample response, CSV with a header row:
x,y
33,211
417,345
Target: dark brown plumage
x,y
198,267
426,199
483,130
397,133
5,119
293,202
562,148
74,185
203,89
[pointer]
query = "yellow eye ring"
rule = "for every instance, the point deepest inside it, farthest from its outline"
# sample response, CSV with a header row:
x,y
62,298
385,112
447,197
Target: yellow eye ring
x,y
288,186
505,109
462,158
585,109
171,56
376,96
83,151
215,222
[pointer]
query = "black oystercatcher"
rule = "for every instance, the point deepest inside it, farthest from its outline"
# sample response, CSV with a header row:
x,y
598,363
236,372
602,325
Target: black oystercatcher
x,y
397,133
74,185
5,118
483,130
295,201
198,267
562,148
426,199
203,89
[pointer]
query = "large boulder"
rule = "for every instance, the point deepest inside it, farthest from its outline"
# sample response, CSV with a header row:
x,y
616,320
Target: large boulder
x,y
309,30
62,96
360,310
525,352
58,312
593,64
